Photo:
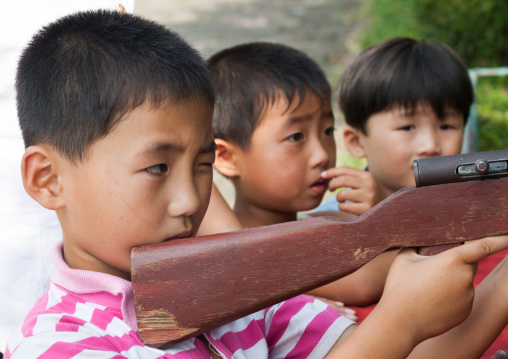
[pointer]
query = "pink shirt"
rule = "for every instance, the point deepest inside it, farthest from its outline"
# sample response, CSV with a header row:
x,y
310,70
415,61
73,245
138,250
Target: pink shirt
x,y
88,314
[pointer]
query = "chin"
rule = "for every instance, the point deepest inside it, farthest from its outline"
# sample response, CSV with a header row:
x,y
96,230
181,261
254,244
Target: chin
x,y
309,206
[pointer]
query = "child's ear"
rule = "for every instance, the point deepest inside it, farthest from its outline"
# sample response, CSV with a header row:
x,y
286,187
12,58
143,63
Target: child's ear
x,y
40,178
226,158
353,143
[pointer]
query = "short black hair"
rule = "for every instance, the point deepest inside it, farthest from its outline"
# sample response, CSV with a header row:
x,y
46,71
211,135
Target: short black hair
x,y
82,73
248,78
404,72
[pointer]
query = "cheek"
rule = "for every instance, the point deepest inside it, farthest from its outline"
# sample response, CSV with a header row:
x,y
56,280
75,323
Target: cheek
x,y
286,180
264,164
384,156
452,145
391,164
268,180
333,159
287,165
86,195
274,170
204,188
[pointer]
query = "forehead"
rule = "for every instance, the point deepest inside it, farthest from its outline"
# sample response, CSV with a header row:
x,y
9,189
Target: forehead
x,y
282,113
418,111
421,109
184,124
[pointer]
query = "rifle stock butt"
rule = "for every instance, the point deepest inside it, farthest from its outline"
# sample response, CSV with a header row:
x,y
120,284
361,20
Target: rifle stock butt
x,y
188,286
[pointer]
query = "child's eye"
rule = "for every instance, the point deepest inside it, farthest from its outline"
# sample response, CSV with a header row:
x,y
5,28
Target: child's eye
x,y
446,127
158,169
407,128
296,137
330,131
207,164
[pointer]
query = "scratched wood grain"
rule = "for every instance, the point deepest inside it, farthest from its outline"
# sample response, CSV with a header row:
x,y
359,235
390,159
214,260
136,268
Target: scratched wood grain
x,y
185,287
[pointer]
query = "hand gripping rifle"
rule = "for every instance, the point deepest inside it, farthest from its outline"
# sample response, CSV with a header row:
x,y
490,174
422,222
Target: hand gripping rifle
x,y
185,287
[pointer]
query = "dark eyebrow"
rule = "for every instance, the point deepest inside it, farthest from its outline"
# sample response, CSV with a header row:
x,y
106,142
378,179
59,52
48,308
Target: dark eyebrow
x,y
296,119
159,147
154,149
328,114
211,147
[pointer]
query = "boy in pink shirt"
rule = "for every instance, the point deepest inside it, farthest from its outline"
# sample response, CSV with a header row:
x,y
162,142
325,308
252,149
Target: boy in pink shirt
x,y
116,116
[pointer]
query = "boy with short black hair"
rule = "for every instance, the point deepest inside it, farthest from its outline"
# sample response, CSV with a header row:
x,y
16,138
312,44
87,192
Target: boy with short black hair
x,y
116,116
402,100
274,130
135,103
274,103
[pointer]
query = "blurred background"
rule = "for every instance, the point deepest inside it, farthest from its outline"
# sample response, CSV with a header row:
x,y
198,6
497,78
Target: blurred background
x,y
333,31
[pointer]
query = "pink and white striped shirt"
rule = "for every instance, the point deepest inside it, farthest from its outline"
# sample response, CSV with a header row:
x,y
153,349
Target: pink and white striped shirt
x,y
88,314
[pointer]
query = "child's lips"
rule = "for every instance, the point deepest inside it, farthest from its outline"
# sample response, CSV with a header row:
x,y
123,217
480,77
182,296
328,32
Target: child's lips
x,y
185,234
319,187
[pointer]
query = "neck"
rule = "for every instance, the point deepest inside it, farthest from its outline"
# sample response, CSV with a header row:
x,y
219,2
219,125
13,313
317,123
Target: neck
x,y
386,191
77,258
252,216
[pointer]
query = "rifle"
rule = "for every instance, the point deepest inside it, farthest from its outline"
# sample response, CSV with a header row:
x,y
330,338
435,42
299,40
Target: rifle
x,y
185,287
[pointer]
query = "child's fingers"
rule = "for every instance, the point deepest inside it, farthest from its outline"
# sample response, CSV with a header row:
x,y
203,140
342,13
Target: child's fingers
x,y
355,180
350,194
338,171
473,251
357,201
354,208
343,181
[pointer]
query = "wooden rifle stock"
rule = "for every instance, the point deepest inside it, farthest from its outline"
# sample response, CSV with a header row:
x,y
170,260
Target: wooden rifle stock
x,y
189,286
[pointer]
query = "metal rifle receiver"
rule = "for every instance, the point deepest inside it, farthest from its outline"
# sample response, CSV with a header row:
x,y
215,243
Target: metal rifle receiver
x,y
460,168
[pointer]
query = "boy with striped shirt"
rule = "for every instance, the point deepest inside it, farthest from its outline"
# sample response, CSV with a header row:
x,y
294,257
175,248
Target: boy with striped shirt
x,y
116,116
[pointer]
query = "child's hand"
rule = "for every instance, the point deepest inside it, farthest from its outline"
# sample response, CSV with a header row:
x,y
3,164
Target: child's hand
x,y
361,189
495,282
434,294
423,298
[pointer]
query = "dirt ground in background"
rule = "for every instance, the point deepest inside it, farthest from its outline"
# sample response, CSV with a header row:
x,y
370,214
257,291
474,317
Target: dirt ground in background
x,y
324,29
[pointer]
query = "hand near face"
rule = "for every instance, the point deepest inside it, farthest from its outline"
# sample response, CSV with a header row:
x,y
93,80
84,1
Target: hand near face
x,y
361,191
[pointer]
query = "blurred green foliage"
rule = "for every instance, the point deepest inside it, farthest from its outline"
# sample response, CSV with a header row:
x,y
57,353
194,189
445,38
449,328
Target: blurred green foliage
x,y
347,159
492,108
475,29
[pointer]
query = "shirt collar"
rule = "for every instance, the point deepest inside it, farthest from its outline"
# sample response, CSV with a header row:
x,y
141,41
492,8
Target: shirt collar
x,y
115,291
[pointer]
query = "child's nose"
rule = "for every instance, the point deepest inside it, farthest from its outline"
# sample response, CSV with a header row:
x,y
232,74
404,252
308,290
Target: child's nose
x,y
184,200
429,144
320,156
